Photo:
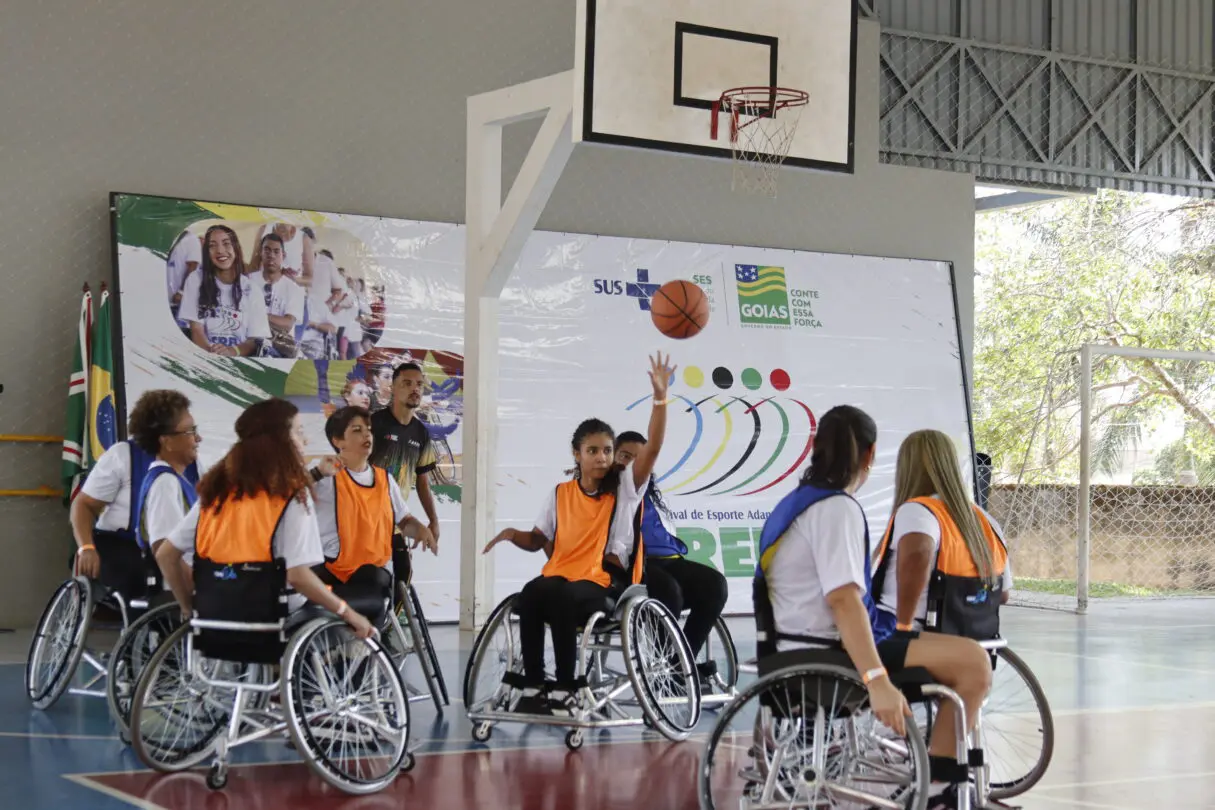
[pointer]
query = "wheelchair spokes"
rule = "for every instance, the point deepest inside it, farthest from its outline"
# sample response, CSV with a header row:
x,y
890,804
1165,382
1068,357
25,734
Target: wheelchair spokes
x,y
802,738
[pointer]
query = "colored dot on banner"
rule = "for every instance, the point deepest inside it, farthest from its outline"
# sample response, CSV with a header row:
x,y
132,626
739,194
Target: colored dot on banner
x,y
752,379
779,379
693,377
722,378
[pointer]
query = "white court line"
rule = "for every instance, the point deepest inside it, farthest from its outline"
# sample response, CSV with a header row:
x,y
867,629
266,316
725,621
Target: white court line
x,y
1110,660
1163,707
1130,780
114,793
33,735
1035,794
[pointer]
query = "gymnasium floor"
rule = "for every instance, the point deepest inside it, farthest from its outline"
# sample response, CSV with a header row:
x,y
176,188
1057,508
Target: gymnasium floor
x,y
1134,714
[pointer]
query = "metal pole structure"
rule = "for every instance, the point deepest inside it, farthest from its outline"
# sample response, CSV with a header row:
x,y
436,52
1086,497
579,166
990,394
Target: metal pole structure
x,y
497,229
1083,537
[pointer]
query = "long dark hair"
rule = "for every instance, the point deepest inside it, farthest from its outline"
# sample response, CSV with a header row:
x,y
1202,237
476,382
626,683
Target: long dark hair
x,y
633,437
208,288
263,460
594,427
845,434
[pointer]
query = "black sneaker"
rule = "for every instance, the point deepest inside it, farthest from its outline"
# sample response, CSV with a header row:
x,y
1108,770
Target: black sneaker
x,y
532,701
561,703
948,799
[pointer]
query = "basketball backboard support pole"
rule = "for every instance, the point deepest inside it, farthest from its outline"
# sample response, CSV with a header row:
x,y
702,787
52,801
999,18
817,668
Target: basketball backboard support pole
x,y
496,232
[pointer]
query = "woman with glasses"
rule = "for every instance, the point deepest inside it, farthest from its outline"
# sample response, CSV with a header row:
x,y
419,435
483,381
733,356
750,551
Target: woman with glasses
x,y
162,426
105,513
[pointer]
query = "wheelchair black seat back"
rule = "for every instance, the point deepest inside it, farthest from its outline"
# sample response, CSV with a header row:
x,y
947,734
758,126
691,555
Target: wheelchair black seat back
x,y
240,594
127,569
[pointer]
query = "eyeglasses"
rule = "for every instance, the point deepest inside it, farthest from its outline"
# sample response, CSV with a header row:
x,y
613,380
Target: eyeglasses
x,y
190,431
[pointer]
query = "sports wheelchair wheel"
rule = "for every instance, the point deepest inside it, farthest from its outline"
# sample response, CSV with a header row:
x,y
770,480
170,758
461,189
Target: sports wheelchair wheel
x,y
496,651
803,736
175,718
1018,729
347,710
134,649
720,649
427,657
58,642
660,667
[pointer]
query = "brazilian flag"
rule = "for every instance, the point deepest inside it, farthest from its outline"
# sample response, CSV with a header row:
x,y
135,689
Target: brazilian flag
x,y
103,418
76,431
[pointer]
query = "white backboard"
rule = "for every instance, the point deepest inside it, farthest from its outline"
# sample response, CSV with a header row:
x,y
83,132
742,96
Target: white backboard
x,y
648,71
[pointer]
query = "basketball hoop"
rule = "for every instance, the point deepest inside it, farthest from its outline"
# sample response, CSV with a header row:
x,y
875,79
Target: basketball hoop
x,y
763,121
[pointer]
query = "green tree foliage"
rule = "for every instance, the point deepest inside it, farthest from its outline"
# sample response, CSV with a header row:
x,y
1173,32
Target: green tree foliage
x,y
1114,269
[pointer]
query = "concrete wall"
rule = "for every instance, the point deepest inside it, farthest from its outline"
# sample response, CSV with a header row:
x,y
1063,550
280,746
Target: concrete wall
x,y
355,107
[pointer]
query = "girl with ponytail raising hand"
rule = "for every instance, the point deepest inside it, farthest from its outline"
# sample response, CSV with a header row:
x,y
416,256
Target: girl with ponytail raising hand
x,y
588,529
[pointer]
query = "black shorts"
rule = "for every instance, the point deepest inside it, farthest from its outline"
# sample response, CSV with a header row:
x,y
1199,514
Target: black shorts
x,y
893,651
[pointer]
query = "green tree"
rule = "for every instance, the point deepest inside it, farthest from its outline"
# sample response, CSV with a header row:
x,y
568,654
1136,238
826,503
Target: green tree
x,y
1112,268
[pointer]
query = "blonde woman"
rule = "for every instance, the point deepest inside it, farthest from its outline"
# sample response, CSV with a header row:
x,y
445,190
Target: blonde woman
x,y
942,568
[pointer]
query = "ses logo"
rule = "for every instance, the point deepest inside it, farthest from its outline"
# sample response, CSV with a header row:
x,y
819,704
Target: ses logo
x,y
764,299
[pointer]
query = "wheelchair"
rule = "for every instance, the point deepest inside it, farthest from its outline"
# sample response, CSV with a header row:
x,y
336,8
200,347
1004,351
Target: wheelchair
x,y
1015,726
242,669
414,639
802,736
658,675
721,686
129,585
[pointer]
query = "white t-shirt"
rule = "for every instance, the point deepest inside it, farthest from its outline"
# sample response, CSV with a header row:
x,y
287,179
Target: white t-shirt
x,y
296,539
286,297
824,549
110,482
164,508
324,278
293,253
227,324
620,540
916,518
188,249
326,507
350,318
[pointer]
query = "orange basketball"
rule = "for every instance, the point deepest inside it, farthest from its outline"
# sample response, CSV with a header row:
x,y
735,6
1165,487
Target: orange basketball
x,y
679,309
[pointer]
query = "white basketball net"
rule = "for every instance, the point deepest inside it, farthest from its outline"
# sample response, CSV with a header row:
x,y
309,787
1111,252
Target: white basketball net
x,y
760,123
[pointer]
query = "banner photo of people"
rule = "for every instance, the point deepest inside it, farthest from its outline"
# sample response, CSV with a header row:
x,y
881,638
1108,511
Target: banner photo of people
x,y
232,304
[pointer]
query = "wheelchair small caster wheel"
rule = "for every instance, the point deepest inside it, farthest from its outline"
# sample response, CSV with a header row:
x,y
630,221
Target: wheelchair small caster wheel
x,y
482,732
125,737
647,722
217,777
573,739
407,763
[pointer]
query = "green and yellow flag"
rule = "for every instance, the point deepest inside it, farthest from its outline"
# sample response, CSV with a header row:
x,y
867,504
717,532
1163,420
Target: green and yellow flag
x,y
103,418
76,431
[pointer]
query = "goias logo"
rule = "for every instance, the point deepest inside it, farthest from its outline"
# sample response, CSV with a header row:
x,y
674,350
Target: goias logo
x,y
738,440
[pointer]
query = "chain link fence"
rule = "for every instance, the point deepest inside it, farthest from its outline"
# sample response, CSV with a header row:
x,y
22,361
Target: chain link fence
x,y
1151,504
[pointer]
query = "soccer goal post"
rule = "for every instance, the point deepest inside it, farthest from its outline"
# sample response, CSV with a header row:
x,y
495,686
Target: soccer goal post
x,y
1146,511
1107,490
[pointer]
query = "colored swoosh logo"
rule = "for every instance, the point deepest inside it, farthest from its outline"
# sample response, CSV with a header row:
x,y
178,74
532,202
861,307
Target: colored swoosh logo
x,y
721,448
780,446
805,452
694,408
746,453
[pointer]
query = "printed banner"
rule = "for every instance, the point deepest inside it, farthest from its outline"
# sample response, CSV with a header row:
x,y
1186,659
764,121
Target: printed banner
x,y
325,314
